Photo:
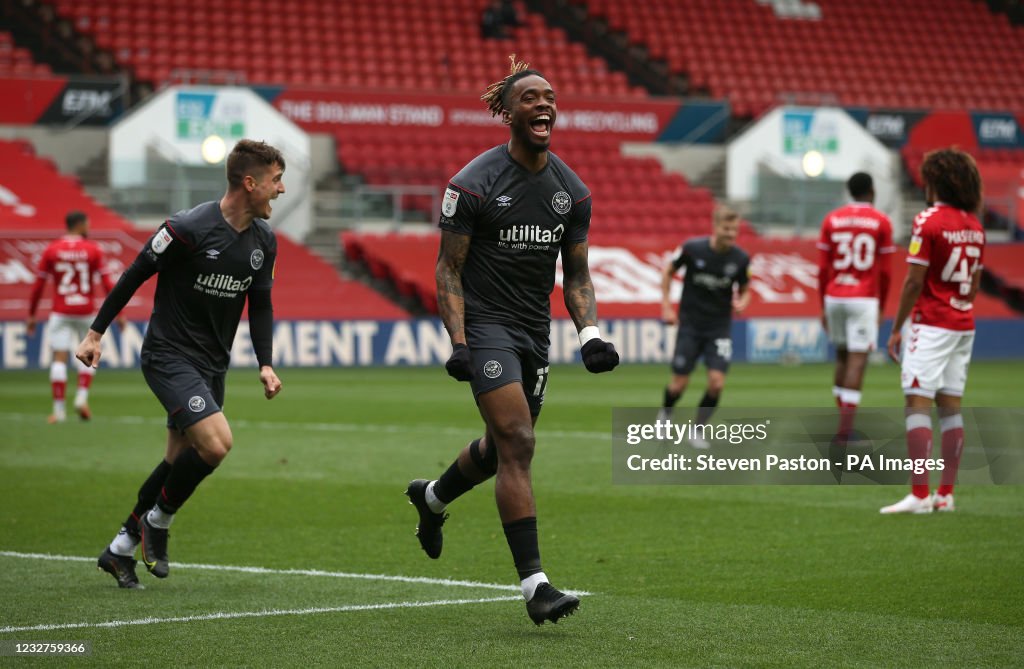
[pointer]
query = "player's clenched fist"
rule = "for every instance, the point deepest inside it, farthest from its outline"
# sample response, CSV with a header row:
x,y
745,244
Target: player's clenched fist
x,y
460,364
271,384
599,356
89,350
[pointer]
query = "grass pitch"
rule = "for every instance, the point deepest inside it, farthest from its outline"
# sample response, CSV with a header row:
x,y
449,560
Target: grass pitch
x,y
312,495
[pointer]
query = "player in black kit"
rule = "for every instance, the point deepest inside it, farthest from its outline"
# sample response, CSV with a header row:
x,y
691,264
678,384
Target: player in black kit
x,y
210,260
504,219
715,286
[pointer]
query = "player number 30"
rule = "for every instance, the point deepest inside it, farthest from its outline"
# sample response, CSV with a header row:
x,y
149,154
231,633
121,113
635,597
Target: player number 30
x,y
857,250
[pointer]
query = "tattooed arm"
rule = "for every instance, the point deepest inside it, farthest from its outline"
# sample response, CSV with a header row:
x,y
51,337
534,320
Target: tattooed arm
x,y
450,303
577,286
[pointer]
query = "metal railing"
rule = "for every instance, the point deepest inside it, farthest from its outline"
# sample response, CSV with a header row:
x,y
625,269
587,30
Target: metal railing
x,y
388,202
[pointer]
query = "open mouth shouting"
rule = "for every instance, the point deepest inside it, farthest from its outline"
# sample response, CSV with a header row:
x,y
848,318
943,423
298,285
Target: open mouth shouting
x,y
541,125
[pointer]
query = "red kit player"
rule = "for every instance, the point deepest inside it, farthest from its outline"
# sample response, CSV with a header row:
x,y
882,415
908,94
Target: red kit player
x,y
853,280
945,258
73,261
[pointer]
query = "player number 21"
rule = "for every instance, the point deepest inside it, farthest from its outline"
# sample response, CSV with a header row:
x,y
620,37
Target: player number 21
x,y
74,277
959,268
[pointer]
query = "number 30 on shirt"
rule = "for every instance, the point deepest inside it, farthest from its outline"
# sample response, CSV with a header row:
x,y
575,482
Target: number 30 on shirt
x,y
857,250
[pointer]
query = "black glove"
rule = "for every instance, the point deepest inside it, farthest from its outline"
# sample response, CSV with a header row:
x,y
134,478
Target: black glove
x,y
460,365
599,356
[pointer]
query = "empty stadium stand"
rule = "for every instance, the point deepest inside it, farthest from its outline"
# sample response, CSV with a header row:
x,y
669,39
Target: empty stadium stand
x,y
357,44
404,44
34,197
34,194
936,54
630,194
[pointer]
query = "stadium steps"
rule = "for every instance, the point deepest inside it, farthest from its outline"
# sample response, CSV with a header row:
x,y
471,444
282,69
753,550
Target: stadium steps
x,y
324,243
859,53
96,172
714,180
612,46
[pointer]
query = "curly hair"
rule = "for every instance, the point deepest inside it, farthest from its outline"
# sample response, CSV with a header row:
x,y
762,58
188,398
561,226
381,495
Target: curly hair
x,y
953,177
496,95
249,155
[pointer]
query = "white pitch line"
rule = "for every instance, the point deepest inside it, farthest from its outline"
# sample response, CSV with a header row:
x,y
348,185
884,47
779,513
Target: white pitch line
x,y
323,427
423,580
230,615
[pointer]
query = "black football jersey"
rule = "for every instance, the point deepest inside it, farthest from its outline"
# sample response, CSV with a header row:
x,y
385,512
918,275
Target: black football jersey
x,y
205,270
519,222
708,283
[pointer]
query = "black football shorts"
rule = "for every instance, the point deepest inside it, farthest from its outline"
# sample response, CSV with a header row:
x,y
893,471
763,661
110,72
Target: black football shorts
x,y
715,346
187,393
504,354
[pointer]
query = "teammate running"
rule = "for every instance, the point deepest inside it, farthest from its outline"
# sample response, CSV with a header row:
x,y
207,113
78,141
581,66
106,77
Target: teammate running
x,y
210,259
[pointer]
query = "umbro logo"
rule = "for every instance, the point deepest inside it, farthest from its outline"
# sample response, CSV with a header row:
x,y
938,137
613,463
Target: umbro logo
x,y
212,254
504,201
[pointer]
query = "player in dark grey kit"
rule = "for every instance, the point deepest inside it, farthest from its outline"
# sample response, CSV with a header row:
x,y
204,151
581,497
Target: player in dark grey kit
x,y
715,286
504,219
210,260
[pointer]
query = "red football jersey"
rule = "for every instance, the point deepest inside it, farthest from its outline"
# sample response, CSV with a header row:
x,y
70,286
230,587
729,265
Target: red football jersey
x,y
73,262
951,242
853,241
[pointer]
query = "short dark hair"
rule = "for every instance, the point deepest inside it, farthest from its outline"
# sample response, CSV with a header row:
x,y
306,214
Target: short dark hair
x,y
249,155
75,218
953,176
860,185
497,94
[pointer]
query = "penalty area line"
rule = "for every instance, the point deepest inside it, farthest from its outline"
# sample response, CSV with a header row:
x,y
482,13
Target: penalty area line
x,y
266,613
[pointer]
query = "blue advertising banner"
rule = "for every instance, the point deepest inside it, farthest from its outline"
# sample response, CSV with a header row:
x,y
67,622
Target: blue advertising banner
x,y
889,126
786,340
997,131
364,343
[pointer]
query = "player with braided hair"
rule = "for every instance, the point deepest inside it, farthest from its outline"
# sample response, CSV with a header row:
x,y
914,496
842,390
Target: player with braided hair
x,y
505,218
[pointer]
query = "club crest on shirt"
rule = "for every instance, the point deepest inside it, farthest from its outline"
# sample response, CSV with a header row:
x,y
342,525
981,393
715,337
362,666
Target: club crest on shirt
x,y
161,240
730,268
450,202
256,259
196,404
561,202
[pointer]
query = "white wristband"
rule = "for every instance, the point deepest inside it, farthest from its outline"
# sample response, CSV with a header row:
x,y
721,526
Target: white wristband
x,y
588,333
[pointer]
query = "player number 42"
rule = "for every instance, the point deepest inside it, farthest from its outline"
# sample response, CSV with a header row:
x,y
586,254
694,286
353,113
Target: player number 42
x,y
959,268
